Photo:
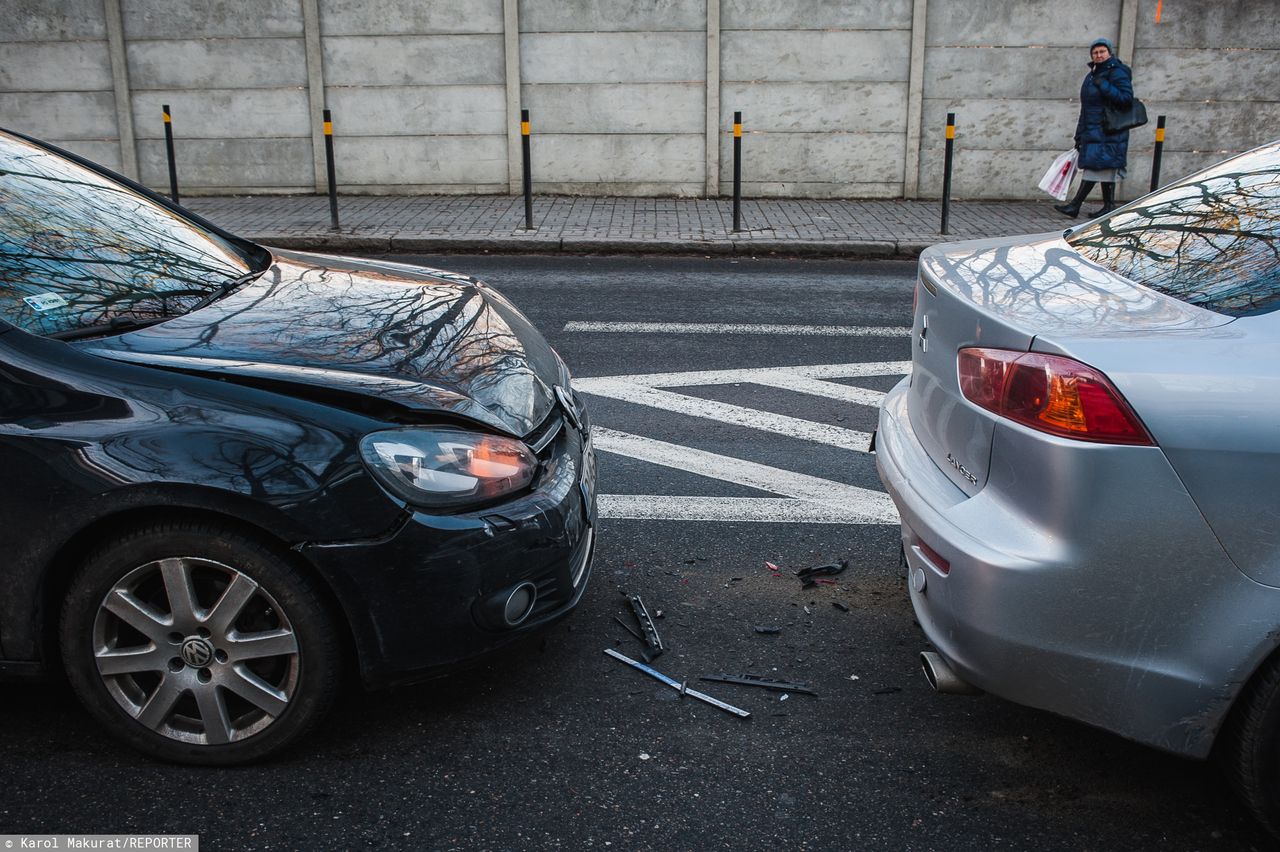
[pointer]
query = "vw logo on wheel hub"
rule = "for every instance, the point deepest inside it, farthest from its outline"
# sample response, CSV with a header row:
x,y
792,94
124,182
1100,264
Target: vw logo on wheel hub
x,y
196,652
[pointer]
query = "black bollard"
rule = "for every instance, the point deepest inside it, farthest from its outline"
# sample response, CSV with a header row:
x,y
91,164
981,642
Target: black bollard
x,y
1156,154
737,172
946,171
329,168
528,171
168,146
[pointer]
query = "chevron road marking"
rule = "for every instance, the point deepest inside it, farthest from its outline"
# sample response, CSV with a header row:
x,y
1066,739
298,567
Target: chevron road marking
x,y
801,498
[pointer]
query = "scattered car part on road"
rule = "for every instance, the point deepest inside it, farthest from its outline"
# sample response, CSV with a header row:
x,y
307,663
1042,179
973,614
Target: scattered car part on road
x,y
767,630
809,576
678,686
653,647
629,629
762,682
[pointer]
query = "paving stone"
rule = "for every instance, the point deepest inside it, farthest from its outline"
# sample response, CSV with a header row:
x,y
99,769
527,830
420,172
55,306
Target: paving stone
x,y
874,228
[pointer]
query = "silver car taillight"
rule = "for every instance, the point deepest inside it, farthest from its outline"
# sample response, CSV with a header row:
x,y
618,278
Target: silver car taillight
x,y
1050,393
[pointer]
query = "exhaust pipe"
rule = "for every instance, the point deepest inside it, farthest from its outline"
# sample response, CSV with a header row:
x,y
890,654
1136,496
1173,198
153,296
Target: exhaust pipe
x,y
942,677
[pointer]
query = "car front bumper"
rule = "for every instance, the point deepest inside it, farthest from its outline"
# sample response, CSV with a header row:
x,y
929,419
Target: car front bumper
x,y
1083,580
416,598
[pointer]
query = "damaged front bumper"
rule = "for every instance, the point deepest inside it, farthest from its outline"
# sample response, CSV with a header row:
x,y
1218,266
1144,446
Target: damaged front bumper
x,y
422,599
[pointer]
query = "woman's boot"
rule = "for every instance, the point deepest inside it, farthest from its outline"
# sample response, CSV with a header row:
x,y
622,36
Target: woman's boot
x,y
1108,200
1072,207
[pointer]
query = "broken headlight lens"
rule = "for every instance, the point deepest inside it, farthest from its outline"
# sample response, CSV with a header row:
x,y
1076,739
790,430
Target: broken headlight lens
x,y
447,467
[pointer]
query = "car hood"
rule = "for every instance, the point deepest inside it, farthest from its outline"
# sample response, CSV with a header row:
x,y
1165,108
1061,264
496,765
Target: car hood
x,y
420,339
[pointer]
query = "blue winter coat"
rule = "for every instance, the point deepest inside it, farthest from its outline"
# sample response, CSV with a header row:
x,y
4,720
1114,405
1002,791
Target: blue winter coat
x,y
1109,83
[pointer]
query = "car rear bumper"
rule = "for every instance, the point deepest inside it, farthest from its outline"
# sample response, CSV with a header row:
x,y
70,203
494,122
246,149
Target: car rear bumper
x,y
1082,580
419,600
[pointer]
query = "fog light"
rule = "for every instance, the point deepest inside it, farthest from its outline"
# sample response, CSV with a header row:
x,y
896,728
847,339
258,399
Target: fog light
x,y
519,604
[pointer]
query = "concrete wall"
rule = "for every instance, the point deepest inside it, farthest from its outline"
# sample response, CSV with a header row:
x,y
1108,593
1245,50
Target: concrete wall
x,y
822,87
840,98
616,92
55,75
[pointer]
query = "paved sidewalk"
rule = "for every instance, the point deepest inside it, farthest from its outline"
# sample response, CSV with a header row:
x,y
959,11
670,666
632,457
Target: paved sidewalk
x,y
618,225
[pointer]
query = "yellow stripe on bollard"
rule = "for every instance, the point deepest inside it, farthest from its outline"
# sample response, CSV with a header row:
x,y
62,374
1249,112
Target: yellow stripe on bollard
x,y
1159,134
167,120
328,128
951,131
737,131
524,128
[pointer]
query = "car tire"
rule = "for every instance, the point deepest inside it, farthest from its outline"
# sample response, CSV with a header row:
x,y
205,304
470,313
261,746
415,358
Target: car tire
x,y
1250,753
197,643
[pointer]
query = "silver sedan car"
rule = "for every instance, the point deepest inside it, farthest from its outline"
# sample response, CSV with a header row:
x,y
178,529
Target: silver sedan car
x,y
1086,460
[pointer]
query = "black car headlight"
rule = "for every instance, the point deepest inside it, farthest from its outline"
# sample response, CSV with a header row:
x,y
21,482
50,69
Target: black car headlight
x,y
445,467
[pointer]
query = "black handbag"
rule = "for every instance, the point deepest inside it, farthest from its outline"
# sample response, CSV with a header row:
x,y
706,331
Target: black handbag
x,y
1116,119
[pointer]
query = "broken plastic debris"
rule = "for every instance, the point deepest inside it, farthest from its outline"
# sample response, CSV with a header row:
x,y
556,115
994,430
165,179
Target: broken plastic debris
x,y
785,696
653,646
644,756
853,677
840,606
771,566
767,630
808,575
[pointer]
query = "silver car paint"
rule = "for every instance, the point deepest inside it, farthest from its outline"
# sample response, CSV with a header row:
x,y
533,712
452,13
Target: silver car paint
x,y
1085,578
1212,402
1001,294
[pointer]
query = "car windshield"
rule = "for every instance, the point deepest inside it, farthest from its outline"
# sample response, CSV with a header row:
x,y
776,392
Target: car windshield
x,y
80,252
1212,239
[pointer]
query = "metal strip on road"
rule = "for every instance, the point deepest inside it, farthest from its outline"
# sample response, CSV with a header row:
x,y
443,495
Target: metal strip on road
x,y
849,502
737,328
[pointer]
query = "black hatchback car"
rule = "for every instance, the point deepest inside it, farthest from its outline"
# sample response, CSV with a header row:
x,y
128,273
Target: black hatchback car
x,y
229,471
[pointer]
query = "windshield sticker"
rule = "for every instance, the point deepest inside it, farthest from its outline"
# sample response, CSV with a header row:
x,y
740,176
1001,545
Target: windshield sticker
x,y
45,301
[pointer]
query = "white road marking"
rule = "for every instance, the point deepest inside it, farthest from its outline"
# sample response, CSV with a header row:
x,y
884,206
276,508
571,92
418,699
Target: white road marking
x,y
647,389
817,387
723,412
858,505
738,328
804,498
764,510
752,374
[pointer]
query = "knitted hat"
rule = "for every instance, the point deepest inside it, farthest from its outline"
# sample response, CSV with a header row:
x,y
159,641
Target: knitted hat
x,y
1105,42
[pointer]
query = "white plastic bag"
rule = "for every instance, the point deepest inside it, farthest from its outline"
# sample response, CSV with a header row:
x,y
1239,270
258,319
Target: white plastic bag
x,y
1058,179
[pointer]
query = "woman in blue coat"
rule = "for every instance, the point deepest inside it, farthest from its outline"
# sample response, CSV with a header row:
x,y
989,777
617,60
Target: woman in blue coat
x,y
1102,155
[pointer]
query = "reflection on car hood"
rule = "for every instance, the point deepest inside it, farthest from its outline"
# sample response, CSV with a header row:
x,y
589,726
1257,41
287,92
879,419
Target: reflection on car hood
x,y
423,339
1041,285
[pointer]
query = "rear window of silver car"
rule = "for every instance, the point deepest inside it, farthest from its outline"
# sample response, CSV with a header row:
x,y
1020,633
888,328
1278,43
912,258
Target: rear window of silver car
x,y
1212,239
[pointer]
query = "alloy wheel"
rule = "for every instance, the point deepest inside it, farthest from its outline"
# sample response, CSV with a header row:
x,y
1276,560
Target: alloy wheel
x,y
196,651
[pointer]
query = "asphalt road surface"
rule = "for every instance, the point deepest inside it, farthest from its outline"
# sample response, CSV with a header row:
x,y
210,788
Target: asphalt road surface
x,y
723,446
